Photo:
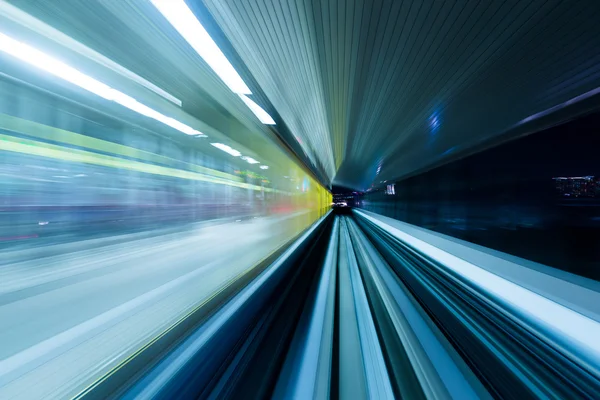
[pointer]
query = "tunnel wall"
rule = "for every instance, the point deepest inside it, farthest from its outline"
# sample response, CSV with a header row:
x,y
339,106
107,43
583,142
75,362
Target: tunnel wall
x,y
506,198
70,171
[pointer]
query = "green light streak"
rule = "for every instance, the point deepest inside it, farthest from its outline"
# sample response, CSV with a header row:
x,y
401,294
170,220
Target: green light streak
x,y
46,132
31,147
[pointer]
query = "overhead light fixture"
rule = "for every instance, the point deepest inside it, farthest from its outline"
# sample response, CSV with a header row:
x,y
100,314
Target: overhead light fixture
x,y
140,108
188,26
250,160
22,18
264,167
227,149
59,69
261,114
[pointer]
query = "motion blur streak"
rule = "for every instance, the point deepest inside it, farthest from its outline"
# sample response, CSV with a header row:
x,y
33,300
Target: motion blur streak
x,y
182,19
55,67
115,228
578,330
258,199
24,19
375,315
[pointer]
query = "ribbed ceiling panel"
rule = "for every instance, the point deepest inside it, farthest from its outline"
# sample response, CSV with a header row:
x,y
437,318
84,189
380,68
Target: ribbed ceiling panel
x,y
379,89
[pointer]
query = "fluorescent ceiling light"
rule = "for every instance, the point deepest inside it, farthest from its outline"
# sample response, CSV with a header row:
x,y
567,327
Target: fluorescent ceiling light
x,y
185,22
57,68
26,20
250,160
261,114
264,167
227,149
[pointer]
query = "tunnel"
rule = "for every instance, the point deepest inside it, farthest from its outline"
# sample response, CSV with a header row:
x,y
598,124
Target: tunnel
x,y
299,199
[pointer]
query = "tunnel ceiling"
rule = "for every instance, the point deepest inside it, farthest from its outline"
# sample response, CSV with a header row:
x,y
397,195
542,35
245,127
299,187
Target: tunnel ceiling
x,y
377,90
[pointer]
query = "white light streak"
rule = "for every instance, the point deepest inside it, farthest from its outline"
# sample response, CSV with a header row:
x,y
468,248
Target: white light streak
x,y
227,149
15,14
574,330
184,21
250,160
261,114
61,70
264,167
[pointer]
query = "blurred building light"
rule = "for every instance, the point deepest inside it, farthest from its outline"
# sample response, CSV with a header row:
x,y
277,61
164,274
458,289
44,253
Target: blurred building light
x,y
227,149
264,167
59,69
261,114
188,26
